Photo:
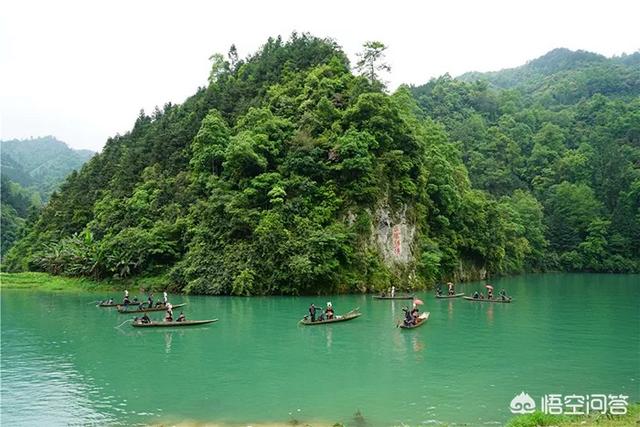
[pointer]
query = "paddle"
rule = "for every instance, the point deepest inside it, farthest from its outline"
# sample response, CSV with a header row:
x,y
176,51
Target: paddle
x,y
128,320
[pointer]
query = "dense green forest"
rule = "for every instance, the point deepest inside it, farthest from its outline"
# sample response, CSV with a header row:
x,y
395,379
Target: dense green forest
x,y
290,173
31,170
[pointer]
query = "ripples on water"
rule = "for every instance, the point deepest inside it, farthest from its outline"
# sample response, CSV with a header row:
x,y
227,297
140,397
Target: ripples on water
x,y
63,362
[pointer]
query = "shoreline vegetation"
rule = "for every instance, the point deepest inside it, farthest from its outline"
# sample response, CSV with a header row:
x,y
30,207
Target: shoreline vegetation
x,y
49,282
295,171
536,419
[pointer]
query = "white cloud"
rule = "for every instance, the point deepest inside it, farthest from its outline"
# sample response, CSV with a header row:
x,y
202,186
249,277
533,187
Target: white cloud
x,y
82,70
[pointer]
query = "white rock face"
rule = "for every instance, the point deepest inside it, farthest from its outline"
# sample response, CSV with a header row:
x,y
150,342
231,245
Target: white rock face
x,y
393,235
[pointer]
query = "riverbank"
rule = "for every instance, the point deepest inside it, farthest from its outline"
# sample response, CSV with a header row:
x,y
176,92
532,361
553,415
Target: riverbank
x,y
537,419
48,282
632,418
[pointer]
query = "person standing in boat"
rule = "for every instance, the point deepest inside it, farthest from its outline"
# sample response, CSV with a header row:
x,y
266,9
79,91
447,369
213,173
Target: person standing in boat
x,y
150,300
393,291
439,290
452,290
312,312
165,298
126,300
329,311
169,315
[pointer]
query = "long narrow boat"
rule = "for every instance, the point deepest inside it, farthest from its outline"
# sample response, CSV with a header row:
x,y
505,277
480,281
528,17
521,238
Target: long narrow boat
x,y
496,300
422,319
123,310
116,304
172,324
461,294
343,318
401,296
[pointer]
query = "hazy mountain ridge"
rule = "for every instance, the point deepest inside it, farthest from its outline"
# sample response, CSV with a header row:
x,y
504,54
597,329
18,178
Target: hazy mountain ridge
x,y
582,72
31,169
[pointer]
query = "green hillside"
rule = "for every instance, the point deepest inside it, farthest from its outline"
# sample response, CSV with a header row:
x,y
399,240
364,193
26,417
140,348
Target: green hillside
x,y
31,170
564,129
290,174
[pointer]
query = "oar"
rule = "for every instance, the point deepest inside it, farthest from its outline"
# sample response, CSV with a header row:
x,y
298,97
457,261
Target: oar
x,y
128,320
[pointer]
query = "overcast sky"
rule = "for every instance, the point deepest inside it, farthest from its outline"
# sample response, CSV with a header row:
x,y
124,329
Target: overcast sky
x,y
82,70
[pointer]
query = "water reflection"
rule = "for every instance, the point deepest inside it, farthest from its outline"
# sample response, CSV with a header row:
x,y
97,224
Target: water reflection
x,y
329,335
490,314
418,344
168,337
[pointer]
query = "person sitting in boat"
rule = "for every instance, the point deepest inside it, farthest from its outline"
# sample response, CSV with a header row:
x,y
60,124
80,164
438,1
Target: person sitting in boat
x,y
181,318
476,295
415,313
329,311
408,317
110,302
312,312
503,295
481,295
489,293
145,319
451,288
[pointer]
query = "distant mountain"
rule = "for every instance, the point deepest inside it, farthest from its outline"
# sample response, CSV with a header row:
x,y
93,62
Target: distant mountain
x,y
40,163
31,170
570,75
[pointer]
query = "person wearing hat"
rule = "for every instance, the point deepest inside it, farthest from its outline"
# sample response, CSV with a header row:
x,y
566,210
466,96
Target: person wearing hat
x,y
329,311
451,288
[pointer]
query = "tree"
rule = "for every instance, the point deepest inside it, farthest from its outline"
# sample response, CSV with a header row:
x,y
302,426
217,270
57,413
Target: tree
x,y
371,62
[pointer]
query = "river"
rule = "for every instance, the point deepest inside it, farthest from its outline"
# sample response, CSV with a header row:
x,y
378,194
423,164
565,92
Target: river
x,y
65,362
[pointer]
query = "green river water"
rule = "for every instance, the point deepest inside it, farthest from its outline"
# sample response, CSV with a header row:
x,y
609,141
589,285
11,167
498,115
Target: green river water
x,y
64,362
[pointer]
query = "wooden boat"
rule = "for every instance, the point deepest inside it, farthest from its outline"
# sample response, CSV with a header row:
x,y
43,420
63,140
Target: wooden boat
x,y
422,319
117,304
450,296
172,324
342,318
399,296
497,300
123,310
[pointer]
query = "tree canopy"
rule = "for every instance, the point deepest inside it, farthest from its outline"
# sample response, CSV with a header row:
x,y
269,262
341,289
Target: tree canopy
x,y
289,174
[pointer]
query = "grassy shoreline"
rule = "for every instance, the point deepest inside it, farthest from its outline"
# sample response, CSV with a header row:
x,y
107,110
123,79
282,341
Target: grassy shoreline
x,y
48,282
537,419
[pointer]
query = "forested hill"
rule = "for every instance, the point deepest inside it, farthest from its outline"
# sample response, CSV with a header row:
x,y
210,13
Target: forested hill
x,y
31,170
40,163
290,174
565,129
564,76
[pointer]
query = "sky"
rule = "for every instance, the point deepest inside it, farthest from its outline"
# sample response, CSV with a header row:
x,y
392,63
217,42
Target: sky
x,y
82,70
